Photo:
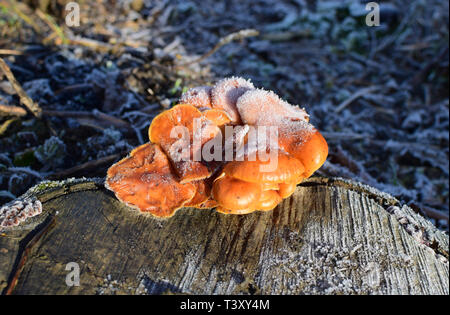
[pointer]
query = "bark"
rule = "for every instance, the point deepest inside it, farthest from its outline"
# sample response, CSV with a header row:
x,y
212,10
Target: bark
x,y
331,237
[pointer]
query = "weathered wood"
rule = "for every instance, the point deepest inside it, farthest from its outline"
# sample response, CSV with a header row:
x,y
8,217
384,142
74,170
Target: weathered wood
x,y
331,237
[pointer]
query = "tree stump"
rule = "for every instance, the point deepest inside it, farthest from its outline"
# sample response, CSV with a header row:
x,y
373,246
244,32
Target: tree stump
x,y
332,236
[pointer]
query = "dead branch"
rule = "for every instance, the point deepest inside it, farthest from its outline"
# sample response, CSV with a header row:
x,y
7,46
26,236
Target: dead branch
x,y
111,119
24,98
92,44
223,41
86,166
285,36
95,114
356,95
428,67
10,52
7,110
431,212
53,26
4,126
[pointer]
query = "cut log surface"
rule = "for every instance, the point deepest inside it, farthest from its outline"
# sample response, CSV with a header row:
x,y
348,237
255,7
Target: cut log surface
x,y
332,236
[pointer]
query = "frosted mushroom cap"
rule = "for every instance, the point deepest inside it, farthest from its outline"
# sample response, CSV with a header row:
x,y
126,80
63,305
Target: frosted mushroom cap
x,y
163,175
174,130
217,116
199,96
226,93
265,108
144,180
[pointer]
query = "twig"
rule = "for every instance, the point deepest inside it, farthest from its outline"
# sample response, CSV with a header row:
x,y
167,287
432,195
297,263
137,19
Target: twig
x,y
75,88
24,98
223,41
26,170
24,71
7,194
93,44
7,110
4,126
356,95
86,166
57,31
285,36
139,135
116,122
111,119
420,77
10,52
431,212
51,23
67,113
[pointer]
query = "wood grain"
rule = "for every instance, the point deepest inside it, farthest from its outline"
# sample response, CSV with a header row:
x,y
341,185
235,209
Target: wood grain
x,y
331,237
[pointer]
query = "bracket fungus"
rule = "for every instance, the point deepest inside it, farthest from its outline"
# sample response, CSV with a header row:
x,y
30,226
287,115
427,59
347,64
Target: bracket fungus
x,y
145,180
171,171
199,97
226,93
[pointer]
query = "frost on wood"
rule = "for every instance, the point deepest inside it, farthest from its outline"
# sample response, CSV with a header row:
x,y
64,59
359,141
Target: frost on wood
x,y
18,211
330,237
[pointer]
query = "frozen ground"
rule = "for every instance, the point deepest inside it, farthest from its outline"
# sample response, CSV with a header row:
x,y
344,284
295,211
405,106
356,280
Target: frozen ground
x,y
379,94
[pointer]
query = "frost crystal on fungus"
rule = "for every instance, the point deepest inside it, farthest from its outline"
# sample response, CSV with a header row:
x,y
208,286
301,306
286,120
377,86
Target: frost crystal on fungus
x,y
199,96
271,108
226,93
267,167
18,211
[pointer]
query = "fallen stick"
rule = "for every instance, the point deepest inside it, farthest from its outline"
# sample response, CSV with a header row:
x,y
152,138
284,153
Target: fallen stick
x,y
4,126
223,41
7,110
116,122
85,166
93,44
24,98
356,95
53,26
431,212
285,36
113,120
10,52
75,88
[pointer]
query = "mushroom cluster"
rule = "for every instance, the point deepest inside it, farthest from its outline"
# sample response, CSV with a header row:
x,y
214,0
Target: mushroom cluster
x,y
232,147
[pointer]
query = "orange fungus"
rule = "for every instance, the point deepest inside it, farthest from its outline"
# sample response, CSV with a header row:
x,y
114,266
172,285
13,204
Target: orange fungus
x,y
171,170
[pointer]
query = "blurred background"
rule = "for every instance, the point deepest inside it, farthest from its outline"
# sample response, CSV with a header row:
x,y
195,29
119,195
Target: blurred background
x,y
379,94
